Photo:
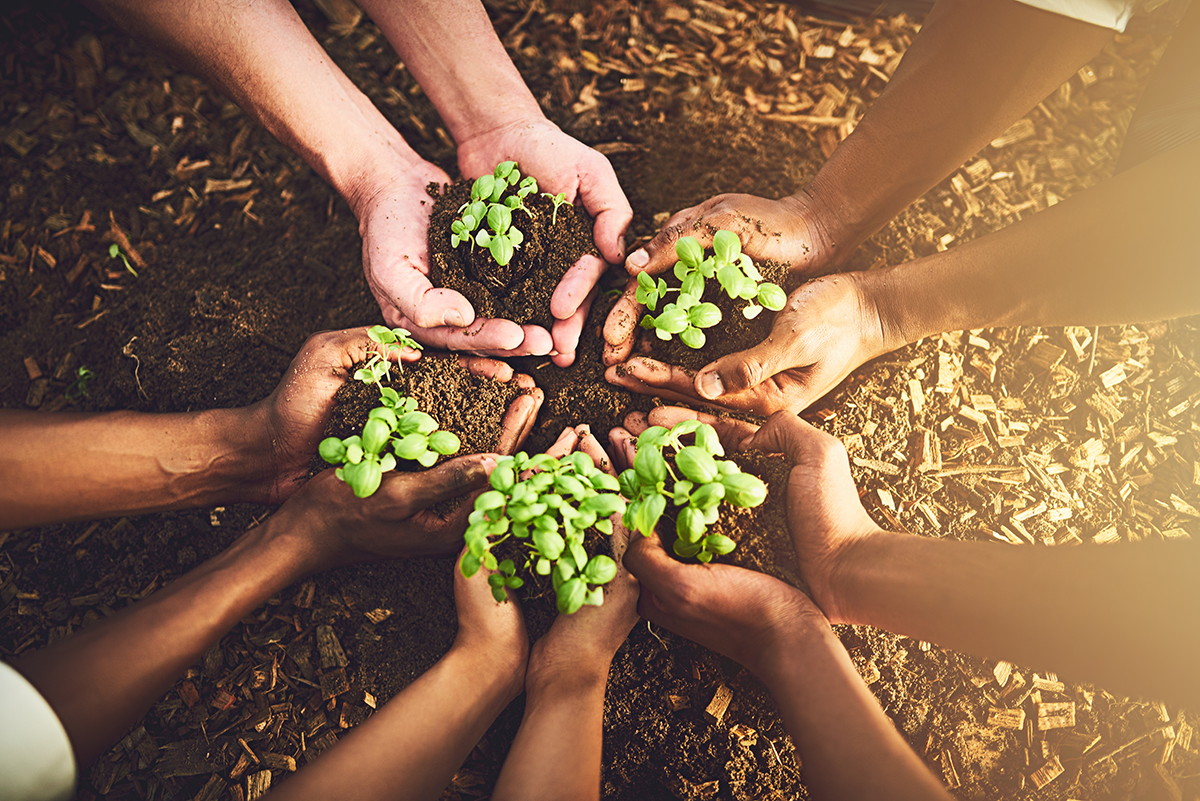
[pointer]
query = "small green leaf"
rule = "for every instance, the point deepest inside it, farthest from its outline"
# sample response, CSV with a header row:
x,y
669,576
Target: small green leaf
x,y
571,596
470,564
514,582
499,218
689,251
628,483
375,435
704,315
697,464
427,459
693,284
483,186
386,414
649,513
444,442
364,477
542,568
501,249
503,477
693,337
708,495
410,447
752,311
489,500
354,451
706,438
727,247
595,597
332,450
686,549
499,595
771,296
689,525
550,544
719,544
653,437
600,570
672,320
650,467
744,490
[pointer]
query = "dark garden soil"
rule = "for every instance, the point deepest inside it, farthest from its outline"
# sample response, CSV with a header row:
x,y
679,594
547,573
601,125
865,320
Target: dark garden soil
x,y
1030,437
554,240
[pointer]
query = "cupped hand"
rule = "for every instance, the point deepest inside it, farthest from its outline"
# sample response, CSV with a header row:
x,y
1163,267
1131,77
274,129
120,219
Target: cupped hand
x,y
793,230
490,630
393,219
293,417
592,635
563,164
829,327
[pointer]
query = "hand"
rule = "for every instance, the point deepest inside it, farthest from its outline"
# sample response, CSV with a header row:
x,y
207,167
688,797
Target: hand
x,y
561,164
493,631
292,419
588,639
795,230
829,327
826,519
393,219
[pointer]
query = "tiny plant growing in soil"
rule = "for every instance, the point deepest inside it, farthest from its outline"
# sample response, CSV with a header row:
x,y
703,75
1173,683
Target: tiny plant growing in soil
x,y
79,387
114,252
550,511
488,204
412,434
688,315
697,483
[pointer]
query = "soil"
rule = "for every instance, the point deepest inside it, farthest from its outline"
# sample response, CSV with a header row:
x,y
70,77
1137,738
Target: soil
x,y
101,141
520,291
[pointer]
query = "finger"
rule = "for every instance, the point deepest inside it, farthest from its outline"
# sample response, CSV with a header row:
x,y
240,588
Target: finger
x,y
576,285
636,423
518,421
653,567
566,333
564,445
621,324
649,377
658,255
537,342
591,446
745,370
405,286
786,433
624,447
481,336
450,479
731,431
484,367
600,193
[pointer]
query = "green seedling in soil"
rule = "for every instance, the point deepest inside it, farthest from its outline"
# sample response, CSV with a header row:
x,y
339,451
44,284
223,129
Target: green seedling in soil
x,y
488,204
697,484
559,200
688,315
114,252
413,435
550,511
78,388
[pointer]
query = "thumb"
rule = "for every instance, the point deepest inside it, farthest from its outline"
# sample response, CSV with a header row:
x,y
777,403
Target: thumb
x,y
450,479
784,433
646,559
741,371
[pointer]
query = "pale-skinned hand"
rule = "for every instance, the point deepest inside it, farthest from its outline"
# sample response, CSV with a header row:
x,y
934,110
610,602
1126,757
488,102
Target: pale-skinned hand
x,y
561,164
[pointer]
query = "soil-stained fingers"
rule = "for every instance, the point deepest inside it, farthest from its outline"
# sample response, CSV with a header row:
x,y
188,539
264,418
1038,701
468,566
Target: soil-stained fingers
x,y
520,417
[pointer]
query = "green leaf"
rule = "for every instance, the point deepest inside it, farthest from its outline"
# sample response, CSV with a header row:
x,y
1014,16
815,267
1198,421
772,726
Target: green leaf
x,y
744,490
689,251
697,464
550,544
571,485
686,302
752,311
427,459
503,477
483,186
364,477
595,597
628,483
719,544
748,267
727,246
647,321
653,437
650,467
704,315
649,513
375,435
730,279
470,564
415,422
693,337
571,596
706,438
693,285
386,414
354,451
489,561
672,320
501,249
490,500
514,582
496,580
707,496
499,218
499,595
603,481
600,570
689,525
390,398
542,568
483,239
410,447
704,556
771,296
504,169
387,462
686,549
604,527
603,505
332,450
444,442
578,554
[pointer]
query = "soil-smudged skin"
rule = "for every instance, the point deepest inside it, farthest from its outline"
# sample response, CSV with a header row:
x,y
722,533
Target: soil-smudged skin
x,y
520,291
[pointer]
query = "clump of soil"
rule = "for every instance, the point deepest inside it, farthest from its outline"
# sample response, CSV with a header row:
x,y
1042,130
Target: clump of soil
x,y
734,333
521,290
463,403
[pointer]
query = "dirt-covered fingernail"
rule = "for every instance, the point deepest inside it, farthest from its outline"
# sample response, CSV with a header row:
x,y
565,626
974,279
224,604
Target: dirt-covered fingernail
x,y
710,385
638,258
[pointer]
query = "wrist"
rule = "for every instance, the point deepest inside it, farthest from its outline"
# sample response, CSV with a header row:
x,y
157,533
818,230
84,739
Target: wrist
x,y
497,660
566,677
801,639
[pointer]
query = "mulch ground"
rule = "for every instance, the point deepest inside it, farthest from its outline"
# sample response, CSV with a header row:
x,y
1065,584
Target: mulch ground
x,y
1034,436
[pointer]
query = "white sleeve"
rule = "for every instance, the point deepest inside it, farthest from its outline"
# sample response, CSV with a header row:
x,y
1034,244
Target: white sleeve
x,y
36,760
1113,14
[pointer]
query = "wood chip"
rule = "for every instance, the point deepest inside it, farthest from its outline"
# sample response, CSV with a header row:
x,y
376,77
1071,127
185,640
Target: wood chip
x,y
1002,671
1006,718
717,707
678,703
1046,355
332,655
1046,773
1019,131
1055,715
212,185
875,464
1047,685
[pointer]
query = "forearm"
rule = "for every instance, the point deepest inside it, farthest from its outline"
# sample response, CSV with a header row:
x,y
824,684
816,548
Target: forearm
x,y
262,56
412,747
556,753
103,678
451,48
848,746
63,467
975,67
1121,252
1062,609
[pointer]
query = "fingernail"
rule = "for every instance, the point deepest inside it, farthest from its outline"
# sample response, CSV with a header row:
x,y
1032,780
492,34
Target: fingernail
x,y
453,317
711,386
639,258
488,464
621,244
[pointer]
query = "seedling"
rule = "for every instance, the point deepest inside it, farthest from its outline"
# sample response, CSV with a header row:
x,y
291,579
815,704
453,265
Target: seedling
x,y
697,483
550,511
489,204
78,387
413,435
688,315
114,252
559,200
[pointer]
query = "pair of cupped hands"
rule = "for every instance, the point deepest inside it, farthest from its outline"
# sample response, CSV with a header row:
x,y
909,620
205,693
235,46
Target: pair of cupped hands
x,y
738,612
829,326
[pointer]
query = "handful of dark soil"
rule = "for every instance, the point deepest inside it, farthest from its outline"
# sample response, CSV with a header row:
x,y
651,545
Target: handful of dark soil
x,y
519,291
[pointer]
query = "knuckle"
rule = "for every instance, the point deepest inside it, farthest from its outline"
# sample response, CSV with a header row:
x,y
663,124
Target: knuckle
x,y
748,373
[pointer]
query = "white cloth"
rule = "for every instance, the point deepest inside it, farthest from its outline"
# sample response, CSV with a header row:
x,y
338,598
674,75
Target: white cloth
x,y
1113,14
36,760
